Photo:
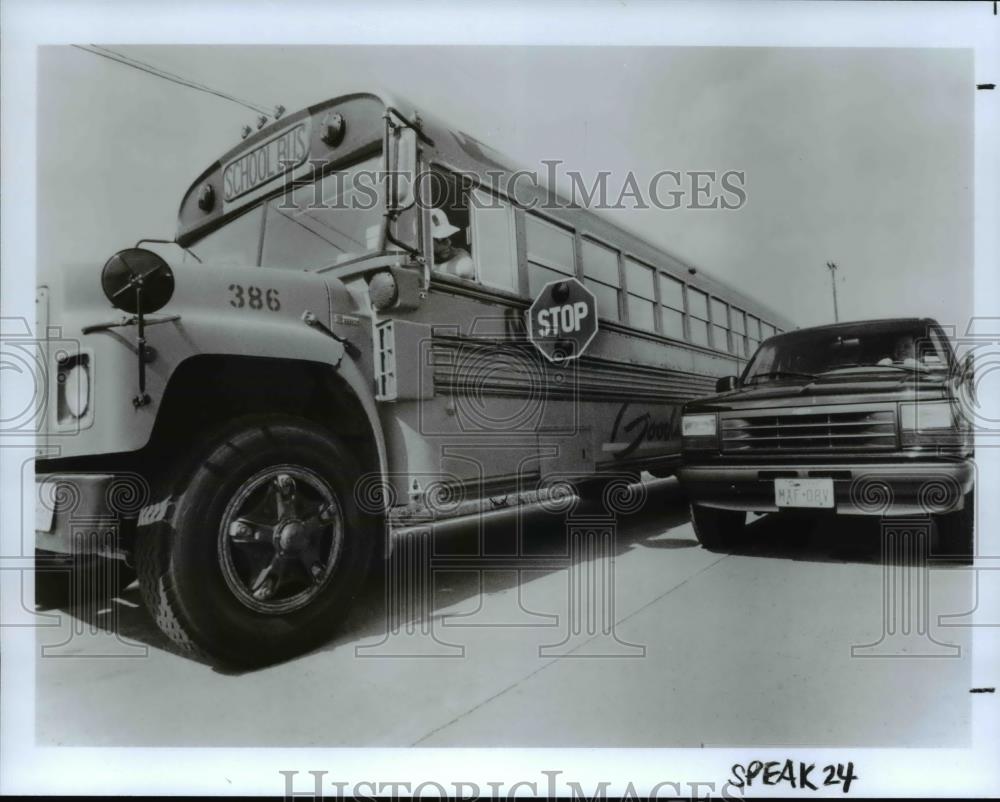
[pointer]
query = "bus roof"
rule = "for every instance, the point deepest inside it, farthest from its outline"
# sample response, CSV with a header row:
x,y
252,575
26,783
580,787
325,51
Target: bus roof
x,y
363,114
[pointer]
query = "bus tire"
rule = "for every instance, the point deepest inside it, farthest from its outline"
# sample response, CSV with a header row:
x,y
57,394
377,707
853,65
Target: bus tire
x,y
718,530
265,547
953,535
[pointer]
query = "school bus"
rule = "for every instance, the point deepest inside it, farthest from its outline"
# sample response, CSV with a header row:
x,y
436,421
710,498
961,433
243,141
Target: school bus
x,y
336,348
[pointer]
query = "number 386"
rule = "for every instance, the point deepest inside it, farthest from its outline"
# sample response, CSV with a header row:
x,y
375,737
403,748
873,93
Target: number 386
x,y
254,298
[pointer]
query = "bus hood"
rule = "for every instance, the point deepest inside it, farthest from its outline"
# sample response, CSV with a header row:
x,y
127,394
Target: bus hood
x,y
214,309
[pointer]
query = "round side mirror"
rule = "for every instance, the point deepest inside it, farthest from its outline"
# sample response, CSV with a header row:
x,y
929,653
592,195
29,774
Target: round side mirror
x,y
136,277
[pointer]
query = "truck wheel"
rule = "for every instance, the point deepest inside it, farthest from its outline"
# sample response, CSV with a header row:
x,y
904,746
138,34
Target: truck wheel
x,y
593,488
265,548
65,581
717,530
953,532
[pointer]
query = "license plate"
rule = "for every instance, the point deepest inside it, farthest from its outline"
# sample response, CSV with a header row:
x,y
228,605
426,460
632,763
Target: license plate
x,y
43,518
816,493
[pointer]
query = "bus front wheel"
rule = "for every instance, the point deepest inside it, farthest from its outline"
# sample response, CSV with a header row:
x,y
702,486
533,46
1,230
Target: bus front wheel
x,y
265,547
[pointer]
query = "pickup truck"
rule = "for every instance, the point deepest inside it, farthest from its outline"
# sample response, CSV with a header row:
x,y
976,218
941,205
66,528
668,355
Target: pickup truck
x,y
861,418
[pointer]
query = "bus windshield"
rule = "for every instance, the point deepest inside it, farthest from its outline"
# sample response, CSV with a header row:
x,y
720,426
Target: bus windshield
x,y
806,355
316,225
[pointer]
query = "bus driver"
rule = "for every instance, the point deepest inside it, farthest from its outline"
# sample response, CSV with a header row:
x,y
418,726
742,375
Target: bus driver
x,y
447,257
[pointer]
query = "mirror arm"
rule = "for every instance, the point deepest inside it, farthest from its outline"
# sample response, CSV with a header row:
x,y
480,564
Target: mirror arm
x,y
390,239
188,251
143,398
314,322
127,321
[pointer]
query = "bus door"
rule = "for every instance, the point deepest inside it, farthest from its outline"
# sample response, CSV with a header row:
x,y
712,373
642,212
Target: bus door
x,y
477,426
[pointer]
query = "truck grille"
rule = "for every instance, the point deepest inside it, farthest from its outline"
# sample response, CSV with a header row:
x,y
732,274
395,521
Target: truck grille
x,y
857,430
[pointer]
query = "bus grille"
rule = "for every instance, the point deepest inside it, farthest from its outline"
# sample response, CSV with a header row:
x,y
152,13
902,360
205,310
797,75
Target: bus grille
x,y
858,430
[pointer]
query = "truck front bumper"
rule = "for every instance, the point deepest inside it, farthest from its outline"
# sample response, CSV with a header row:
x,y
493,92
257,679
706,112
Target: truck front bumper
x,y
86,513
861,489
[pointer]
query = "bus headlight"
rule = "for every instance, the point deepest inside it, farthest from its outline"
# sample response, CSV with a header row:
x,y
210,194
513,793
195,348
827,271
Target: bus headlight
x,y
74,389
398,289
698,426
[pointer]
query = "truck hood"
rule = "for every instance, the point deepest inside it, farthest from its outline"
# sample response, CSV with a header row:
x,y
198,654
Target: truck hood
x,y
856,388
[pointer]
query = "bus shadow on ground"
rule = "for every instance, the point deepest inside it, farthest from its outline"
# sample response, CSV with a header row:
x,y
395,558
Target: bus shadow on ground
x,y
486,556
532,537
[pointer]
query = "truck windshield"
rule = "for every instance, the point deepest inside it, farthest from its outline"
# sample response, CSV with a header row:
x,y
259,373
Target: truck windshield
x,y
806,355
316,225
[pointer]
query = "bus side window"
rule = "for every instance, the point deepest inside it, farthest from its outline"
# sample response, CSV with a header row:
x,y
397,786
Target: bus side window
x,y
753,326
550,253
698,316
720,325
446,194
739,332
641,300
672,306
601,276
494,244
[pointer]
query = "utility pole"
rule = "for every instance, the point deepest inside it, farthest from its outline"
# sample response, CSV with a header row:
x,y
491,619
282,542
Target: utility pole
x,y
833,283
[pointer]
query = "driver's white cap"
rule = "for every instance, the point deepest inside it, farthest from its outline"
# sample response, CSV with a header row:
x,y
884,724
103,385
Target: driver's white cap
x,y
440,227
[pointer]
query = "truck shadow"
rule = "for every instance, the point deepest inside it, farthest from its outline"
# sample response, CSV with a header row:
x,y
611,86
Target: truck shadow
x,y
824,538
530,540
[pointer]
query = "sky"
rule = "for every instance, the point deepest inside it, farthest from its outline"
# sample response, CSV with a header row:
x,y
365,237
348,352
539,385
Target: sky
x,y
859,156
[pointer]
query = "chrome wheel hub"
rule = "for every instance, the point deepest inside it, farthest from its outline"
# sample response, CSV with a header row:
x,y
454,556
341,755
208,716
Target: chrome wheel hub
x,y
279,539
292,537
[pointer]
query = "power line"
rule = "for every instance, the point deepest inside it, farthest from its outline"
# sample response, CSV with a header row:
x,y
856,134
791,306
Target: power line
x,y
159,72
832,267
128,61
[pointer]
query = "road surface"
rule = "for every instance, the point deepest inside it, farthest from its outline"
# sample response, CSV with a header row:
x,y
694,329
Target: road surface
x,y
591,632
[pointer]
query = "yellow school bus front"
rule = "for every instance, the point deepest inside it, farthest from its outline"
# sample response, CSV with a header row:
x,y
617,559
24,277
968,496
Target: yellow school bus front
x,y
327,355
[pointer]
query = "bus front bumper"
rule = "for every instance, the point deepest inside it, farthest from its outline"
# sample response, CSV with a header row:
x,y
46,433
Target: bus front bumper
x,y
868,489
85,513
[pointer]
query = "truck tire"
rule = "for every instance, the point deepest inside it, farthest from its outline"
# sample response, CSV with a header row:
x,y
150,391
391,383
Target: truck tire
x,y
63,581
264,548
592,489
953,536
717,530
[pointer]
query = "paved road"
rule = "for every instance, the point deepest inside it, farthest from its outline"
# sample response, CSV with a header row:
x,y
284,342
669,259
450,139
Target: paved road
x,y
649,641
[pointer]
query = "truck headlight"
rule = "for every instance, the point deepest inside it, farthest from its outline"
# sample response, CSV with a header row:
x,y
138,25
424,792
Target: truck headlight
x,y
698,426
926,416
924,423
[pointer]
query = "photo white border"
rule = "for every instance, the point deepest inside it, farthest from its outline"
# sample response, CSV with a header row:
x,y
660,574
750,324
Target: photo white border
x,y
27,769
